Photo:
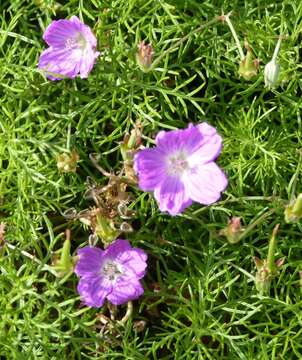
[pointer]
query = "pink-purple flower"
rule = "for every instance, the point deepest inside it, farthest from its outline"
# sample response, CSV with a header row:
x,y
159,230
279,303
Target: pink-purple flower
x,y
181,168
112,274
71,50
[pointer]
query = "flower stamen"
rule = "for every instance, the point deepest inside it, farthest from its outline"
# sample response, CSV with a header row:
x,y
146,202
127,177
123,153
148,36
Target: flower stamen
x,y
177,164
111,270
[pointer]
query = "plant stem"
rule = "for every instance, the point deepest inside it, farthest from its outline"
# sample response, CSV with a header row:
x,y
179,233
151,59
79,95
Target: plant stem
x,y
128,312
45,267
233,31
277,49
179,42
251,226
271,251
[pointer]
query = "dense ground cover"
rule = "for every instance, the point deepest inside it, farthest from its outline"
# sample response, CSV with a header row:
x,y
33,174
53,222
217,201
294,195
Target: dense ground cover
x,y
200,299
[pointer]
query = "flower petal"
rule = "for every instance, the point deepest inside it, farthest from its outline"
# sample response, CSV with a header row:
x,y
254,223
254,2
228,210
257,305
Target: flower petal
x,y
116,248
149,165
90,261
171,196
209,147
56,62
206,129
208,151
59,31
125,291
134,262
94,290
85,31
173,141
205,183
87,61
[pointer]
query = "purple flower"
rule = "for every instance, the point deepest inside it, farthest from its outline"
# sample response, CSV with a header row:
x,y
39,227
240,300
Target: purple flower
x,y
181,168
112,273
71,49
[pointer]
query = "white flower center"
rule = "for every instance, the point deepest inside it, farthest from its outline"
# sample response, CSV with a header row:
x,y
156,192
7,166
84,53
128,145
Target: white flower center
x,y
177,164
78,42
111,270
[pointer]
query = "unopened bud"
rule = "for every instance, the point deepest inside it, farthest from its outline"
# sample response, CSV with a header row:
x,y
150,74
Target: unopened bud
x,y
64,264
293,211
128,147
144,55
106,230
263,277
131,142
233,230
272,69
271,74
249,66
68,162
139,325
267,269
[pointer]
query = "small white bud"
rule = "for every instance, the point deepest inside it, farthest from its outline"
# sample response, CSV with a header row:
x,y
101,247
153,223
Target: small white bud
x,y
272,68
271,74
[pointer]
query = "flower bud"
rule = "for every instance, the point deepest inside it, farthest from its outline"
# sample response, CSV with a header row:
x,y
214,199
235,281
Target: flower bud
x,y
293,211
105,229
272,69
64,264
267,269
131,143
139,325
233,230
249,66
68,162
144,55
263,277
271,74
128,147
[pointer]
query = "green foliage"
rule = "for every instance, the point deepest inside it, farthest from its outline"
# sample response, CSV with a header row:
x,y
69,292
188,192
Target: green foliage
x,y
200,300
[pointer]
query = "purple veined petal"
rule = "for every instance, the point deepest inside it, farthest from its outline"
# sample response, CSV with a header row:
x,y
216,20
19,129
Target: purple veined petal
x,y
71,51
150,166
74,19
188,139
58,63
116,248
90,261
85,31
125,291
171,196
208,151
206,129
205,183
94,290
57,33
134,262
87,62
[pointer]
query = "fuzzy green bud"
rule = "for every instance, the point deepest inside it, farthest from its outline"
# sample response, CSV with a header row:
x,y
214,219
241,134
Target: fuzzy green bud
x,y
64,264
144,55
267,269
106,230
233,230
293,211
263,277
68,162
248,66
